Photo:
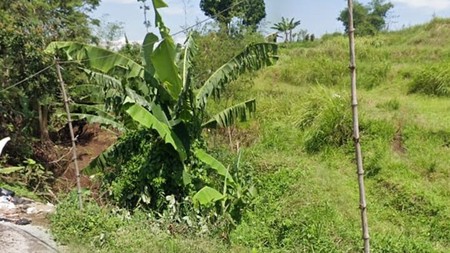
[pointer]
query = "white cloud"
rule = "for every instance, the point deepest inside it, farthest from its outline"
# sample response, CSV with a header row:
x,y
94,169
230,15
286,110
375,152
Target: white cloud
x,y
172,10
432,4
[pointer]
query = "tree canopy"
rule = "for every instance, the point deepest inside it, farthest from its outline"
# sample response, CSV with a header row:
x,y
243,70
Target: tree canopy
x,y
249,12
26,27
369,19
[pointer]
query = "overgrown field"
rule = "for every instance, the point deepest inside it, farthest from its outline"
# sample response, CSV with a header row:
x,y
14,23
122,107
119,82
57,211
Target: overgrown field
x,y
299,147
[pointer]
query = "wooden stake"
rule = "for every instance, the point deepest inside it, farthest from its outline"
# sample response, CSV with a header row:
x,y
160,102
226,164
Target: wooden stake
x,y
72,136
356,137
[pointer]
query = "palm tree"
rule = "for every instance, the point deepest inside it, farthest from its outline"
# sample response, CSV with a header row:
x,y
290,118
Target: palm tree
x,y
286,26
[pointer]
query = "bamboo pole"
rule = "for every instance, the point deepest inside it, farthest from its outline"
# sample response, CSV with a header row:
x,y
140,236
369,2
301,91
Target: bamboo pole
x,y
356,137
72,136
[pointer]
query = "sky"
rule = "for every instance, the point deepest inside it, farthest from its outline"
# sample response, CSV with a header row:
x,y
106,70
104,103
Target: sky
x,y
316,16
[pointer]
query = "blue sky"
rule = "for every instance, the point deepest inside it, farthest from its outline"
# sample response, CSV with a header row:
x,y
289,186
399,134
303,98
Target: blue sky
x,y
317,16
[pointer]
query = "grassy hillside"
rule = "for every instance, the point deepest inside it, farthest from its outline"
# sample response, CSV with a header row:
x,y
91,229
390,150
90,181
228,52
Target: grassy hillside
x,y
308,193
301,150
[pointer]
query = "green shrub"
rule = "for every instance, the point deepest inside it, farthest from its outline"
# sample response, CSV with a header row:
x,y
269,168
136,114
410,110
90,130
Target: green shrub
x,y
143,171
433,80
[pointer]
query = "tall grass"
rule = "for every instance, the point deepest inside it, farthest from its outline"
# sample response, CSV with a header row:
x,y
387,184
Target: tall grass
x,y
326,119
433,80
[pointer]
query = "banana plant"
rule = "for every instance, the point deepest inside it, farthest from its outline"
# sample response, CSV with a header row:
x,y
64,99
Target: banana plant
x,y
160,94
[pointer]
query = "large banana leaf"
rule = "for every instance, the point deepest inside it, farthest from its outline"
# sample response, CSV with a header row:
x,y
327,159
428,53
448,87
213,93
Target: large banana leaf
x,y
87,93
110,85
148,120
252,58
102,60
166,70
229,116
105,81
207,195
214,164
185,59
105,121
147,49
189,52
163,57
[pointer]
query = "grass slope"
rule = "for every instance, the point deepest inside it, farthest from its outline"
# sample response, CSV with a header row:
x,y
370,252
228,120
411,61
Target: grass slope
x,y
301,149
308,200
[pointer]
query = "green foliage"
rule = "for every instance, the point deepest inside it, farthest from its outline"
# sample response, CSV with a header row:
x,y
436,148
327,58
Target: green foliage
x,y
326,120
368,19
31,176
373,74
272,228
308,202
91,226
433,80
218,10
26,107
161,103
211,55
143,171
250,12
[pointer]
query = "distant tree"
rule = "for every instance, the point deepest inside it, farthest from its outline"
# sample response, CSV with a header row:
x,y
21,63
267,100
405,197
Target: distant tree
x,y
307,37
301,34
107,32
249,12
219,10
312,37
286,26
369,19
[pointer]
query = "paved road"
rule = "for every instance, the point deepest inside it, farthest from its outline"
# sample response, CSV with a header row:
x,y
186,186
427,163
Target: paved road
x,y
25,239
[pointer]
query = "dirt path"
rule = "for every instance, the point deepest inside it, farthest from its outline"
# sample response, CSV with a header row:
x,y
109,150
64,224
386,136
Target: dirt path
x,y
25,239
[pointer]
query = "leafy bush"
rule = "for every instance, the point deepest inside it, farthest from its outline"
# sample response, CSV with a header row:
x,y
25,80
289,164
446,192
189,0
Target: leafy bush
x,y
433,80
144,170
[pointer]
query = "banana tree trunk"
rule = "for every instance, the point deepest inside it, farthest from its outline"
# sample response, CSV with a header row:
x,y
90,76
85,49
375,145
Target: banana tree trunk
x,y
356,137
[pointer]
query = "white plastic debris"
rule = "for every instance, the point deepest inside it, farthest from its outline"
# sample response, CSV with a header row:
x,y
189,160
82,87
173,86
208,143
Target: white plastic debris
x,y
5,203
